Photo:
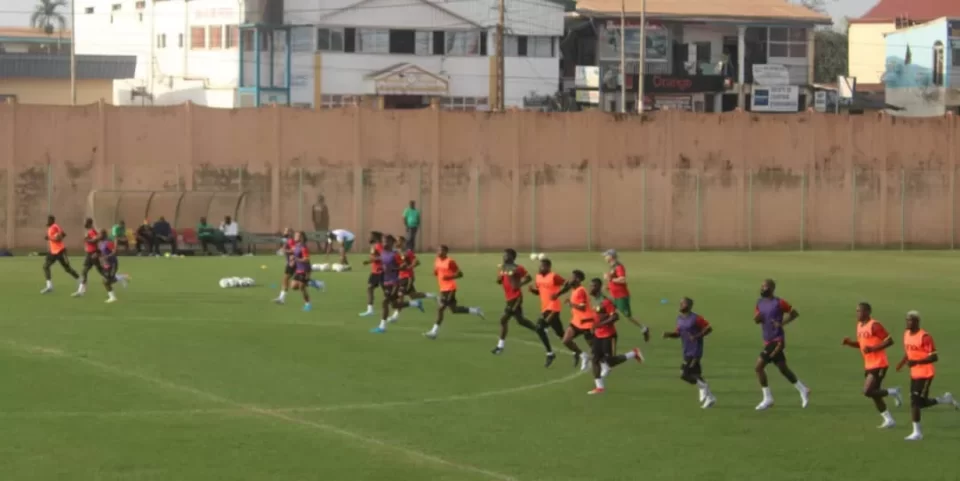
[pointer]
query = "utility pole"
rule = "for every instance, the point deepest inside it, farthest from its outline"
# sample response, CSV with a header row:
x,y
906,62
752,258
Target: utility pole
x,y
501,7
643,54
73,53
623,56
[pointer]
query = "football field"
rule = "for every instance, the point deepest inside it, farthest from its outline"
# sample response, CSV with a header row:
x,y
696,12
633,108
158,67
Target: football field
x,y
184,381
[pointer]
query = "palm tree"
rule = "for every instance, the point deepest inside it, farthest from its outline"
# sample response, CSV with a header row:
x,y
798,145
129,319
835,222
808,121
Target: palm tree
x,y
45,16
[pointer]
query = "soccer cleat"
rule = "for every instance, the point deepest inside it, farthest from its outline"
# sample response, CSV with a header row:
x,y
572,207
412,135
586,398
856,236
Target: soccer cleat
x,y
646,334
605,371
576,360
949,399
584,362
897,397
110,300
307,307
914,437
278,301
638,354
596,390
804,398
480,314
703,395
418,304
887,424
394,317
46,290
366,313
497,351
430,335
709,402
550,358
318,285
764,405
78,294
378,330
123,278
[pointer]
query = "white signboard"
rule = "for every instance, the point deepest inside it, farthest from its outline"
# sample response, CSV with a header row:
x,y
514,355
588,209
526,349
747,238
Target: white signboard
x,y
820,101
587,77
588,97
775,99
770,74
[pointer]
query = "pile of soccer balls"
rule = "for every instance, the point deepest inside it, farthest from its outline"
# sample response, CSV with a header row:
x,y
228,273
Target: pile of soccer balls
x,y
236,282
537,256
335,267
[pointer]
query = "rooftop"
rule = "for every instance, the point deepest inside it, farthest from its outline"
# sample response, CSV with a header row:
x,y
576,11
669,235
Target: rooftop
x,y
887,11
58,66
32,35
755,10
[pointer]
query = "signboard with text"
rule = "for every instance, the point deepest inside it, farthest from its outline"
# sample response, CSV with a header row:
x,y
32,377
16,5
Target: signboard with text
x,y
775,99
671,84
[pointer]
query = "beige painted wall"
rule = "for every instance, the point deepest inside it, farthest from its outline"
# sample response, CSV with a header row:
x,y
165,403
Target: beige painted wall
x,y
56,91
867,56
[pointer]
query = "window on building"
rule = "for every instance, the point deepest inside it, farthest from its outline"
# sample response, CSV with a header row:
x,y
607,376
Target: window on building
x,y
704,52
88,10
141,4
330,39
198,38
939,63
162,40
372,40
540,47
464,103
116,7
462,43
511,46
232,38
403,41
424,43
337,101
787,42
216,36
955,47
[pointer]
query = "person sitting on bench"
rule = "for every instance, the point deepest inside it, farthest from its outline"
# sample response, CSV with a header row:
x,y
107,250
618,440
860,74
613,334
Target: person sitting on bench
x,y
209,235
144,238
231,231
163,234
119,235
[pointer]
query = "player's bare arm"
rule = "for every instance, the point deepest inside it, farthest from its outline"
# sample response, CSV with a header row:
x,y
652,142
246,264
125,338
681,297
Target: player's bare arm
x,y
703,333
792,316
671,335
526,280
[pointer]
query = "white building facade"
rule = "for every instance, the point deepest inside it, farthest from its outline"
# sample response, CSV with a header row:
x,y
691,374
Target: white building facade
x,y
385,53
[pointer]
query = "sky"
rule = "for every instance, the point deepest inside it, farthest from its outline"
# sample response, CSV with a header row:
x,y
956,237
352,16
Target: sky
x,y
17,12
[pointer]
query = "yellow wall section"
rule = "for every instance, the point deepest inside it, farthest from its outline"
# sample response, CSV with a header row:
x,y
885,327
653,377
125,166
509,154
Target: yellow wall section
x,y
867,51
56,91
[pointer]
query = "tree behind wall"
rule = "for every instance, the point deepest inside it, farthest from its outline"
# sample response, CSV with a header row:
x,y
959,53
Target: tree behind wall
x,y
830,56
46,16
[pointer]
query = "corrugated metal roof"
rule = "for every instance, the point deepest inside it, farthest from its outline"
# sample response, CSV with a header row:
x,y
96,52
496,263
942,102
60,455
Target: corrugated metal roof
x,y
761,10
58,66
916,10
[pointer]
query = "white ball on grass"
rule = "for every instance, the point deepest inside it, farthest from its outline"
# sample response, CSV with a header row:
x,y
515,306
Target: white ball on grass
x,y
321,267
533,256
336,267
224,283
541,256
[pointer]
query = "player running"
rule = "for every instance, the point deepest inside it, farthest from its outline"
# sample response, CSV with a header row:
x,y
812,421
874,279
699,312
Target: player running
x,y
289,243
873,341
548,284
582,317
90,243
109,263
920,355
56,252
617,285
376,270
605,356
772,313
512,277
408,262
344,241
447,272
691,329
301,268
392,296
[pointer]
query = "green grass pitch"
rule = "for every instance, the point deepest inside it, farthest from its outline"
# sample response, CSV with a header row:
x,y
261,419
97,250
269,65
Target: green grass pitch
x,y
184,381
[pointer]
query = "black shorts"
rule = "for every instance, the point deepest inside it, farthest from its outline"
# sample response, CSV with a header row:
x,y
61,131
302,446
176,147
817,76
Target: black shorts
x,y
406,285
448,298
289,270
691,367
577,332
392,291
604,347
920,388
302,277
514,307
549,316
90,260
878,375
375,280
773,353
109,271
60,257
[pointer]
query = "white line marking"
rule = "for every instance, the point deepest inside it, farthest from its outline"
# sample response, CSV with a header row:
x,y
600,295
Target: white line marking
x,y
281,415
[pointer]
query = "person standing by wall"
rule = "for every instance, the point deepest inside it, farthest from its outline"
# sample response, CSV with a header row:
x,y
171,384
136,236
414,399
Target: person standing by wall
x,y
321,220
411,220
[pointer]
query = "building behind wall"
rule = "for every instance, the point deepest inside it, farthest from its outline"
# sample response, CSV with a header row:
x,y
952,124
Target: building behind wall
x,y
922,73
385,53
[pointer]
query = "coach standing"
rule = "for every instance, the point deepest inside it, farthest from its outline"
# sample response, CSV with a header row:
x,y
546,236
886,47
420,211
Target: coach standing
x,y
411,219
